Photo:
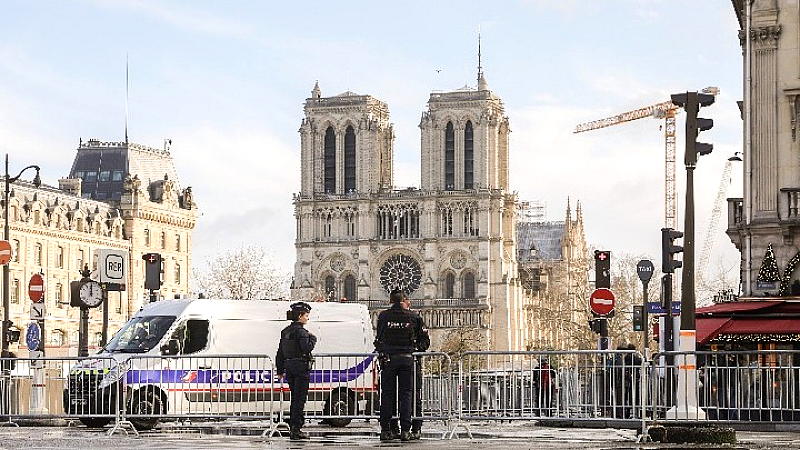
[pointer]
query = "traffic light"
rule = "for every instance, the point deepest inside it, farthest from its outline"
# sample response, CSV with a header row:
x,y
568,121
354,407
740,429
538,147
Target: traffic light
x,y
638,318
152,271
691,103
602,269
669,249
12,335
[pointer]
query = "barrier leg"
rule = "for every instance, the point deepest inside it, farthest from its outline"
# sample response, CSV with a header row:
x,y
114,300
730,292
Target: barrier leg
x,y
280,424
5,397
120,422
452,425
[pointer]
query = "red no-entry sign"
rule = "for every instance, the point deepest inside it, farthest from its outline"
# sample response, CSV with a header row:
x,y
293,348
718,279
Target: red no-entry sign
x,y
36,288
5,252
602,301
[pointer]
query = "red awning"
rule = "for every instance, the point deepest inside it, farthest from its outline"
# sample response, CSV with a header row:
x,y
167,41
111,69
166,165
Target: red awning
x,y
741,325
731,307
709,327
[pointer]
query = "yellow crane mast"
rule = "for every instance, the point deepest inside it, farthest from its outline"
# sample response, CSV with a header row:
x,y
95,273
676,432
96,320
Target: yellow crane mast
x,y
663,110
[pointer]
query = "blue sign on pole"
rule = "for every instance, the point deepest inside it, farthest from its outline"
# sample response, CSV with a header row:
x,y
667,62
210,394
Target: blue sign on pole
x,y
33,337
656,308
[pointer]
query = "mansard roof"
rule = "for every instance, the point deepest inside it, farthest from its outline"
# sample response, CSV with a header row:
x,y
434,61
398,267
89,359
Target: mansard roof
x,y
111,162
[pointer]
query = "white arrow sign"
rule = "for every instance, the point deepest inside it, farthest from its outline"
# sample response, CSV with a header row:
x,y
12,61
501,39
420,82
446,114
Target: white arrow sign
x,y
37,311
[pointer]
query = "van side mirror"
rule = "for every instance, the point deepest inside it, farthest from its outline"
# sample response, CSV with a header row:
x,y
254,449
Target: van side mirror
x,y
172,347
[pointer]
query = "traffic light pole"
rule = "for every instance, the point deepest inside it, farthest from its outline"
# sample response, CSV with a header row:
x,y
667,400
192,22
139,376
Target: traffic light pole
x,y
687,405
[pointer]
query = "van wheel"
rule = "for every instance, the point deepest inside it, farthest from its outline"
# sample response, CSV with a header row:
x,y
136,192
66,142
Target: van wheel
x,y
340,403
95,422
143,403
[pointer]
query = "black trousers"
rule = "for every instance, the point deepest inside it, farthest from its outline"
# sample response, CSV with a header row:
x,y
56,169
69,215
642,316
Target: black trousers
x,y
297,375
416,424
397,387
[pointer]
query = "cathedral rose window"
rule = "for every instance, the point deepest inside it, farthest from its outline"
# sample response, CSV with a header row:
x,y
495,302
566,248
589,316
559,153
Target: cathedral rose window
x,y
401,271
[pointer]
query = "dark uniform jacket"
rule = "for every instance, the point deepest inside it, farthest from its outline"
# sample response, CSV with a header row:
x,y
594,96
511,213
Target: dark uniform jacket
x,y
399,331
296,345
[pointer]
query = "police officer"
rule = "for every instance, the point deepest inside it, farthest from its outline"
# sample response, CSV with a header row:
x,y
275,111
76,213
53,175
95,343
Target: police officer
x,y
423,342
399,329
294,361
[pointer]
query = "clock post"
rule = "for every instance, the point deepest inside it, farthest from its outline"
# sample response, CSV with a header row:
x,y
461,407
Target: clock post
x,y
85,294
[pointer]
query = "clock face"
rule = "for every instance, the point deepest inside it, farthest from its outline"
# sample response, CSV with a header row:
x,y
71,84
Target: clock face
x,y
401,271
91,294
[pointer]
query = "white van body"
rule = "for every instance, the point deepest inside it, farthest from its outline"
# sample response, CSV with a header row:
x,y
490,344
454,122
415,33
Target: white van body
x,y
230,371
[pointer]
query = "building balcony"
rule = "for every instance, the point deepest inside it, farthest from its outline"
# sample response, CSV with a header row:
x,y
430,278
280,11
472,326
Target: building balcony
x,y
735,213
428,303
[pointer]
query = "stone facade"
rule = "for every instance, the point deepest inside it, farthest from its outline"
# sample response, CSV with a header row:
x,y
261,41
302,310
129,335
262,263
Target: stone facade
x,y
769,212
450,244
554,274
55,231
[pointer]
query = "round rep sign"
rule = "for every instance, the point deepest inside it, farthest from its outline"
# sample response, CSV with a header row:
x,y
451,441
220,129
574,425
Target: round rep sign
x,y
36,288
602,301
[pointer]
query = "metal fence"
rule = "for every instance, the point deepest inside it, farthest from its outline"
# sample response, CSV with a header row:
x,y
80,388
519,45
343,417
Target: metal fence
x,y
136,391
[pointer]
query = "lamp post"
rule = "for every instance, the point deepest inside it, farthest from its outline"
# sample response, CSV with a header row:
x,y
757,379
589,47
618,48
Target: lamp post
x,y
6,271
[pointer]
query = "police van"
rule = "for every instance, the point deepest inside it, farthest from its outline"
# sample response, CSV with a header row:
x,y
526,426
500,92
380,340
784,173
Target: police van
x,y
215,358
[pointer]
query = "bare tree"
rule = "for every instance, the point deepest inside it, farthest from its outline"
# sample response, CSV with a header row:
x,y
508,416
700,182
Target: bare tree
x,y
247,273
464,339
722,277
627,288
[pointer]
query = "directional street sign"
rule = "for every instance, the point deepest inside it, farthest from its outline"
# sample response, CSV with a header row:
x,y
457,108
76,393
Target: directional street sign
x,y
36,288
656,308
602,301
37,311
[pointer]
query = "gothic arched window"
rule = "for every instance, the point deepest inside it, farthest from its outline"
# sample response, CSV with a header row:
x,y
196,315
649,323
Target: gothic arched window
x,y
330,287
449,157
449,285
468,155
349,160
468,290
350,287
330,161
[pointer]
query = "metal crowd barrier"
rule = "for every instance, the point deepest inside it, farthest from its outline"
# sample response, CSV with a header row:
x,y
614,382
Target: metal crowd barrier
x,y
46,388
551,385
733,386
138,391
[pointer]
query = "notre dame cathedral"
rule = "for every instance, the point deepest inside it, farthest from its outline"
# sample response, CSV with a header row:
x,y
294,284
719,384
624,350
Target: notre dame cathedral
x,y
452,244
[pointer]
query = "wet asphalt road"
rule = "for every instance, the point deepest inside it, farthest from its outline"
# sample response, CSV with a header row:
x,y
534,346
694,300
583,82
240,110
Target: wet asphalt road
x,y
485,436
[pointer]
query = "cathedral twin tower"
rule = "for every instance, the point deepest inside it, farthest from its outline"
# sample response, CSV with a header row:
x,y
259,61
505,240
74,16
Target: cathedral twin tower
x,y
449,244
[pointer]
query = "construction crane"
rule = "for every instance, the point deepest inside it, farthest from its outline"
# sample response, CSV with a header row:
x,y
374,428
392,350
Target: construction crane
x,y
666,111
716,213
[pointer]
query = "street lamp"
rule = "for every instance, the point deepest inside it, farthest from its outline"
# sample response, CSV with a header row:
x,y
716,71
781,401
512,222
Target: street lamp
x,y
6,271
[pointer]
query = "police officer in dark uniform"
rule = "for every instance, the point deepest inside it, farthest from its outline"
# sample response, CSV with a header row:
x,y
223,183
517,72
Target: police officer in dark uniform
x,y
423,343
399,329
294,361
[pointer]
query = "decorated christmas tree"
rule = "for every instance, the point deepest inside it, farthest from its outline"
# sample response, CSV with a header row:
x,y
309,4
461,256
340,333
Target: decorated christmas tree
x,y
769,267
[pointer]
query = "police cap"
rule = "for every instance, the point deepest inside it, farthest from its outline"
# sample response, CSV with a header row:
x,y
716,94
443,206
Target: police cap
x,y
301,307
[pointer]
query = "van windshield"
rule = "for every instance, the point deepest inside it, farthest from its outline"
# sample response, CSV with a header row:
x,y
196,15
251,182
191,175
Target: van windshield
x,y
140,334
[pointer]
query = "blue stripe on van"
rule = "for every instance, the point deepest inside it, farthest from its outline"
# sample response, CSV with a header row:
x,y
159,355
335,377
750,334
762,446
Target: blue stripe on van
x,y
209,376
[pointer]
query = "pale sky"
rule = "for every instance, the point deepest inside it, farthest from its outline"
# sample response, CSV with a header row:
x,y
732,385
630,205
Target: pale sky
x,y
226,82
